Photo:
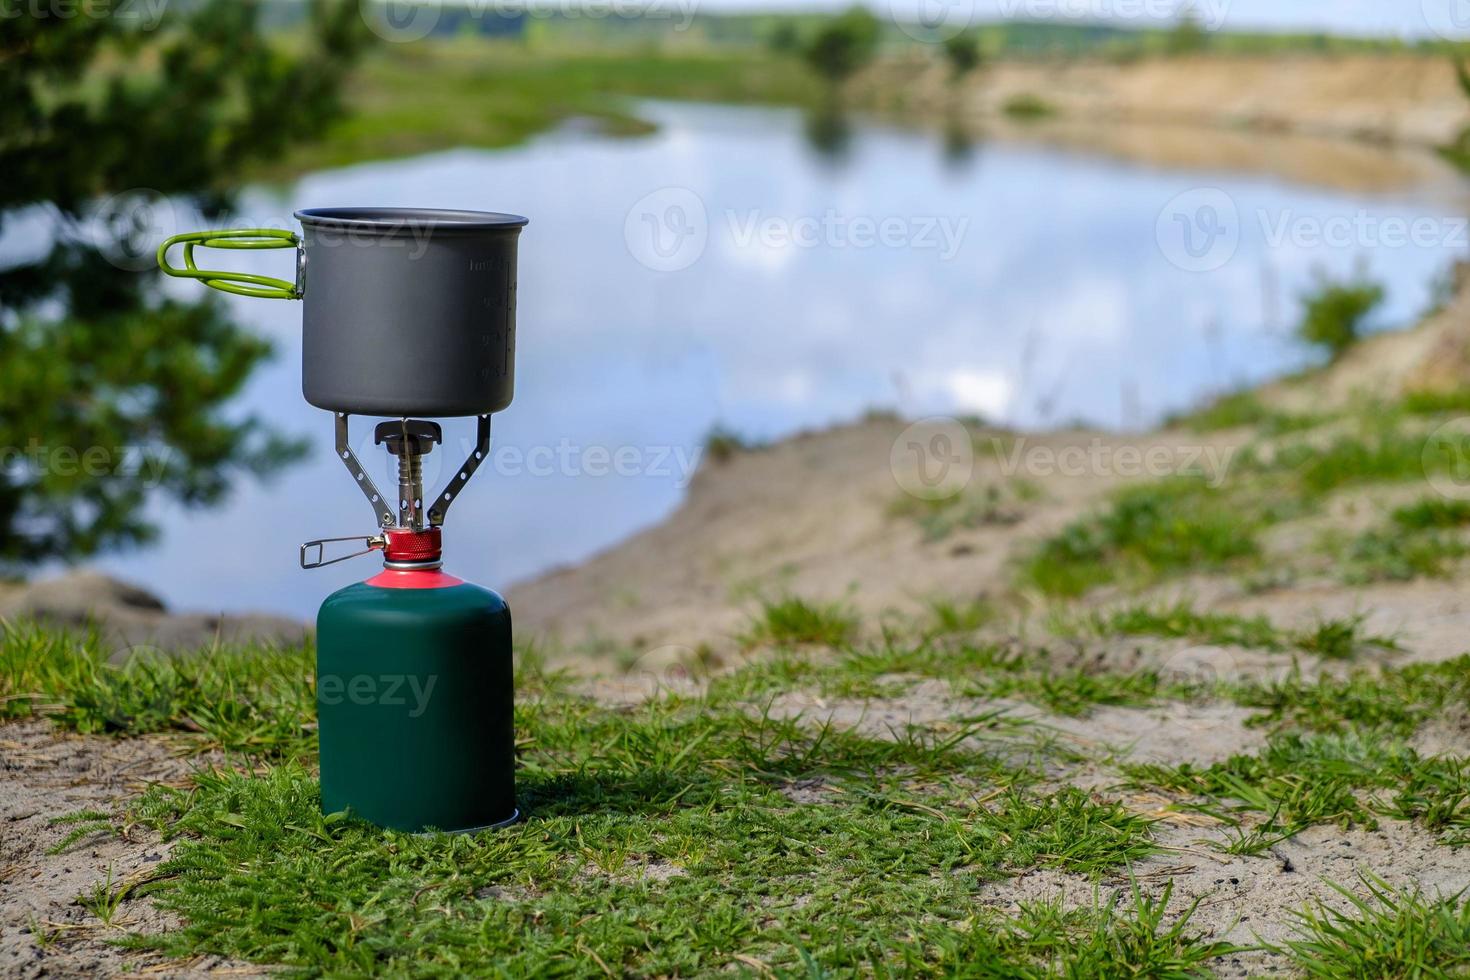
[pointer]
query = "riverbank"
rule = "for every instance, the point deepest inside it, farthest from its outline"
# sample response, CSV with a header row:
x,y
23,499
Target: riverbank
x,y
1387,99
408,99
825,515
1362,121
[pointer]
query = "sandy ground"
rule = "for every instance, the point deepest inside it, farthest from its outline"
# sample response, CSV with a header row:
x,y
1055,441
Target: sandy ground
x,y
44,932
1350,122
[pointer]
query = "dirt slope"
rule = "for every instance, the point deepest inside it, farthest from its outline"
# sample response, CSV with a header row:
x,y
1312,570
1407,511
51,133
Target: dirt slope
x,y
1359,122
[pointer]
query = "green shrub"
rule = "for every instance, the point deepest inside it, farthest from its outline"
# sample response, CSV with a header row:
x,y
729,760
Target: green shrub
x,y
1334,314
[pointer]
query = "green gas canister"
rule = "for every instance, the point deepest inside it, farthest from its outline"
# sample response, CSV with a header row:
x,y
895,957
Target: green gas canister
x,y
414,696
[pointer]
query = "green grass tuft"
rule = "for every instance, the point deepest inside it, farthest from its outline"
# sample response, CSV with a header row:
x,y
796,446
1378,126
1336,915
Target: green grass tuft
x,y
1146,533
1386,933
1183,621
1243,410
258,701
793,621
1340,639
1431,513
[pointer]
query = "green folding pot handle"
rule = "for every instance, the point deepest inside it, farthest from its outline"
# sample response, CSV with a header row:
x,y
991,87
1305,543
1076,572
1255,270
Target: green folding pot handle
x,y
239,283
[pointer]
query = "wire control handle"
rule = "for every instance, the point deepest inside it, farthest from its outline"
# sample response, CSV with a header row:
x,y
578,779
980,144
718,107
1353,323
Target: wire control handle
x,y
374,542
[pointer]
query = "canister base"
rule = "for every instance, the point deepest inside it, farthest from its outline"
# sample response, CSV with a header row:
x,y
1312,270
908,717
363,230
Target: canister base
x,y
513,818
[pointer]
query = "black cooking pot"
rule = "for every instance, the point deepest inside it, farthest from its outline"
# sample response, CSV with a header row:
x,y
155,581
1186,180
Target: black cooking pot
x,y
408,311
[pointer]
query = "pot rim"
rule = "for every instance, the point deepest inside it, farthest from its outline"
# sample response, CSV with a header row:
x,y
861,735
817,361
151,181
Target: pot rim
x,y
409,221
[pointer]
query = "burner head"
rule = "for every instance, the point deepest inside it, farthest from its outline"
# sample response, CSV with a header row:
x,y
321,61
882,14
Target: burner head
x,y
411,437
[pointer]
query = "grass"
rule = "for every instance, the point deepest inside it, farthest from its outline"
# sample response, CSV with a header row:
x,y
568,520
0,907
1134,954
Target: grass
x,y
793,621
1388,932
408,99
1028,107
1433,513
105,898
258,701
1146,533
636,883
1340,639
950,617
1329,638
1183,621
661,839
1428,402
1419,541
699,833
1395,700
1242,410
1338,754
723,444
1060,682
1390,556
1299,781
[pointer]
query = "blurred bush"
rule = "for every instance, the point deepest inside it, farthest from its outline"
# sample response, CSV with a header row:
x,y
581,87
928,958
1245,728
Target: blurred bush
x,y
1335,313
112,394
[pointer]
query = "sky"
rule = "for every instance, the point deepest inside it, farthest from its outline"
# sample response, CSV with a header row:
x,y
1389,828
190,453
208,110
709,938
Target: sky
x,y
1408,18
